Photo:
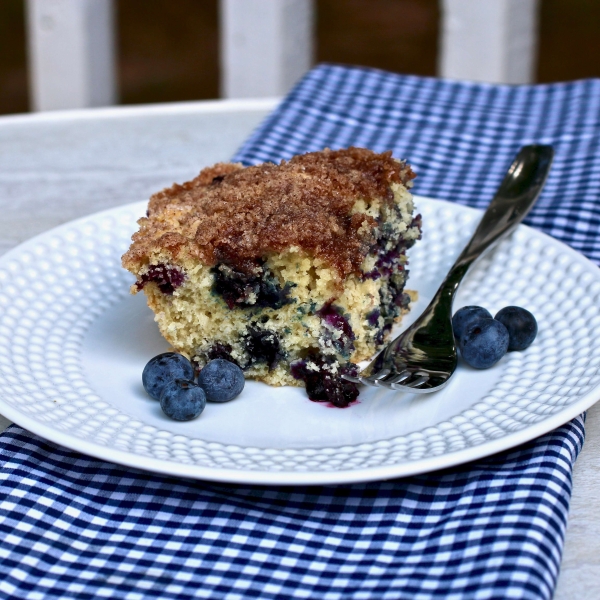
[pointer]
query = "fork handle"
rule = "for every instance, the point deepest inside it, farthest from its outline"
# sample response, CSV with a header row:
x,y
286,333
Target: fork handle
x,y
516,195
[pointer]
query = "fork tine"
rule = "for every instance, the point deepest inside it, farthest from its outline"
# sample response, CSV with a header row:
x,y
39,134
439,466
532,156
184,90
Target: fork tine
x,y
417,382
373,380
383,373
370,381
402,376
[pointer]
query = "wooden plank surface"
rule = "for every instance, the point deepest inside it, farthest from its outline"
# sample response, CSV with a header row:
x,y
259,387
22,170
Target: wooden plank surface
x,y
55,167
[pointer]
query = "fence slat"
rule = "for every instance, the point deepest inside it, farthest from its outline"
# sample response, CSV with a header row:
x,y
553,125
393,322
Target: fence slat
x,y
266,46
489,40
71,53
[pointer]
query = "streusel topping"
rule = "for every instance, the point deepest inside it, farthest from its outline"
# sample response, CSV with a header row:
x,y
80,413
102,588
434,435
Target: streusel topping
x,y
238,216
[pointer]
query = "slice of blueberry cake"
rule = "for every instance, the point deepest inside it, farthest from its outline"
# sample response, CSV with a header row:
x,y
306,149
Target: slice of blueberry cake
x,y
293,271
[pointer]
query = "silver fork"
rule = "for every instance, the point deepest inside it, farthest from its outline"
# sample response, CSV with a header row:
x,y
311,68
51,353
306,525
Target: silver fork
x,y
423,358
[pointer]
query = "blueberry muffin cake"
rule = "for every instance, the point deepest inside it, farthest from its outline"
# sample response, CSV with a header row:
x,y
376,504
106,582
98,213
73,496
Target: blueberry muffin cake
x,y
293,271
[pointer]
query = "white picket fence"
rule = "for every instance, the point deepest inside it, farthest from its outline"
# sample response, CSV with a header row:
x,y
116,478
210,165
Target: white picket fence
x,y
266,45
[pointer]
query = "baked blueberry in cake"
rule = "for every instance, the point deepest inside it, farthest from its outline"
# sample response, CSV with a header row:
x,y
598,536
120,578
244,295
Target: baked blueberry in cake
x,y
293,271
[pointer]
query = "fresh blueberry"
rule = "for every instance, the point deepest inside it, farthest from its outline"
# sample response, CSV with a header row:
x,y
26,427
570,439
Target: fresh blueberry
x,y
483,343
164,368
182,400
521,325
465,315
221,380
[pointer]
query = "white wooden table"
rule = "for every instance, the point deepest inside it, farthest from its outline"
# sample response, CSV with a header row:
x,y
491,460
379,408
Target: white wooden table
x,y
55,167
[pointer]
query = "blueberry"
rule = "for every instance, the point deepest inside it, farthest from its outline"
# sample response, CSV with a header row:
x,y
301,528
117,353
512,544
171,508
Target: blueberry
x,y
521,325
167,277
321,384
263,346
483,343
221,380
259,287
182,400
164,368
338,331
463,316
219,350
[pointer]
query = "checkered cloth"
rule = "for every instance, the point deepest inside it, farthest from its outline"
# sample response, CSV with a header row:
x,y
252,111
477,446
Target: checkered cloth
x,y
75,527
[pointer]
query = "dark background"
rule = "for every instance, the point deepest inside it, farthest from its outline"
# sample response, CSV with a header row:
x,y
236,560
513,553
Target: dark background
x,y
168,49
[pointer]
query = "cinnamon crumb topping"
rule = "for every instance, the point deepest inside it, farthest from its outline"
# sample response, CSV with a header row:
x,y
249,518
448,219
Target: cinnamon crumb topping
x,y
235,215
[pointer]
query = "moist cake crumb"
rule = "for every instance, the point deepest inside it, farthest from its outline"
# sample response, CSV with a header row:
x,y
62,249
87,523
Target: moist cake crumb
x,y
302,263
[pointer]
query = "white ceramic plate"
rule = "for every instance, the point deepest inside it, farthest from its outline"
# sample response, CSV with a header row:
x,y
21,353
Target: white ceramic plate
x,y
73,343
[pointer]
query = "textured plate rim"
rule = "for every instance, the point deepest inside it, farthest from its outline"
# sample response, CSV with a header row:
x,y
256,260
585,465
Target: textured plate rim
x,y
258,477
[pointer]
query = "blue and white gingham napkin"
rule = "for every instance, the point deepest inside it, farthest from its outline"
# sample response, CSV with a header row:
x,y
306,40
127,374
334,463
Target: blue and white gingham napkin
x,y
75,527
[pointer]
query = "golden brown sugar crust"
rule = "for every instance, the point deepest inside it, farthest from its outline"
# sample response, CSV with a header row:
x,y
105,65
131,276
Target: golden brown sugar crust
x,y
237,215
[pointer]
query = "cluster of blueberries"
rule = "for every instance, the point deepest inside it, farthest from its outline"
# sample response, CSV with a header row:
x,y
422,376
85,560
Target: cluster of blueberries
x,y
483,340
170,378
